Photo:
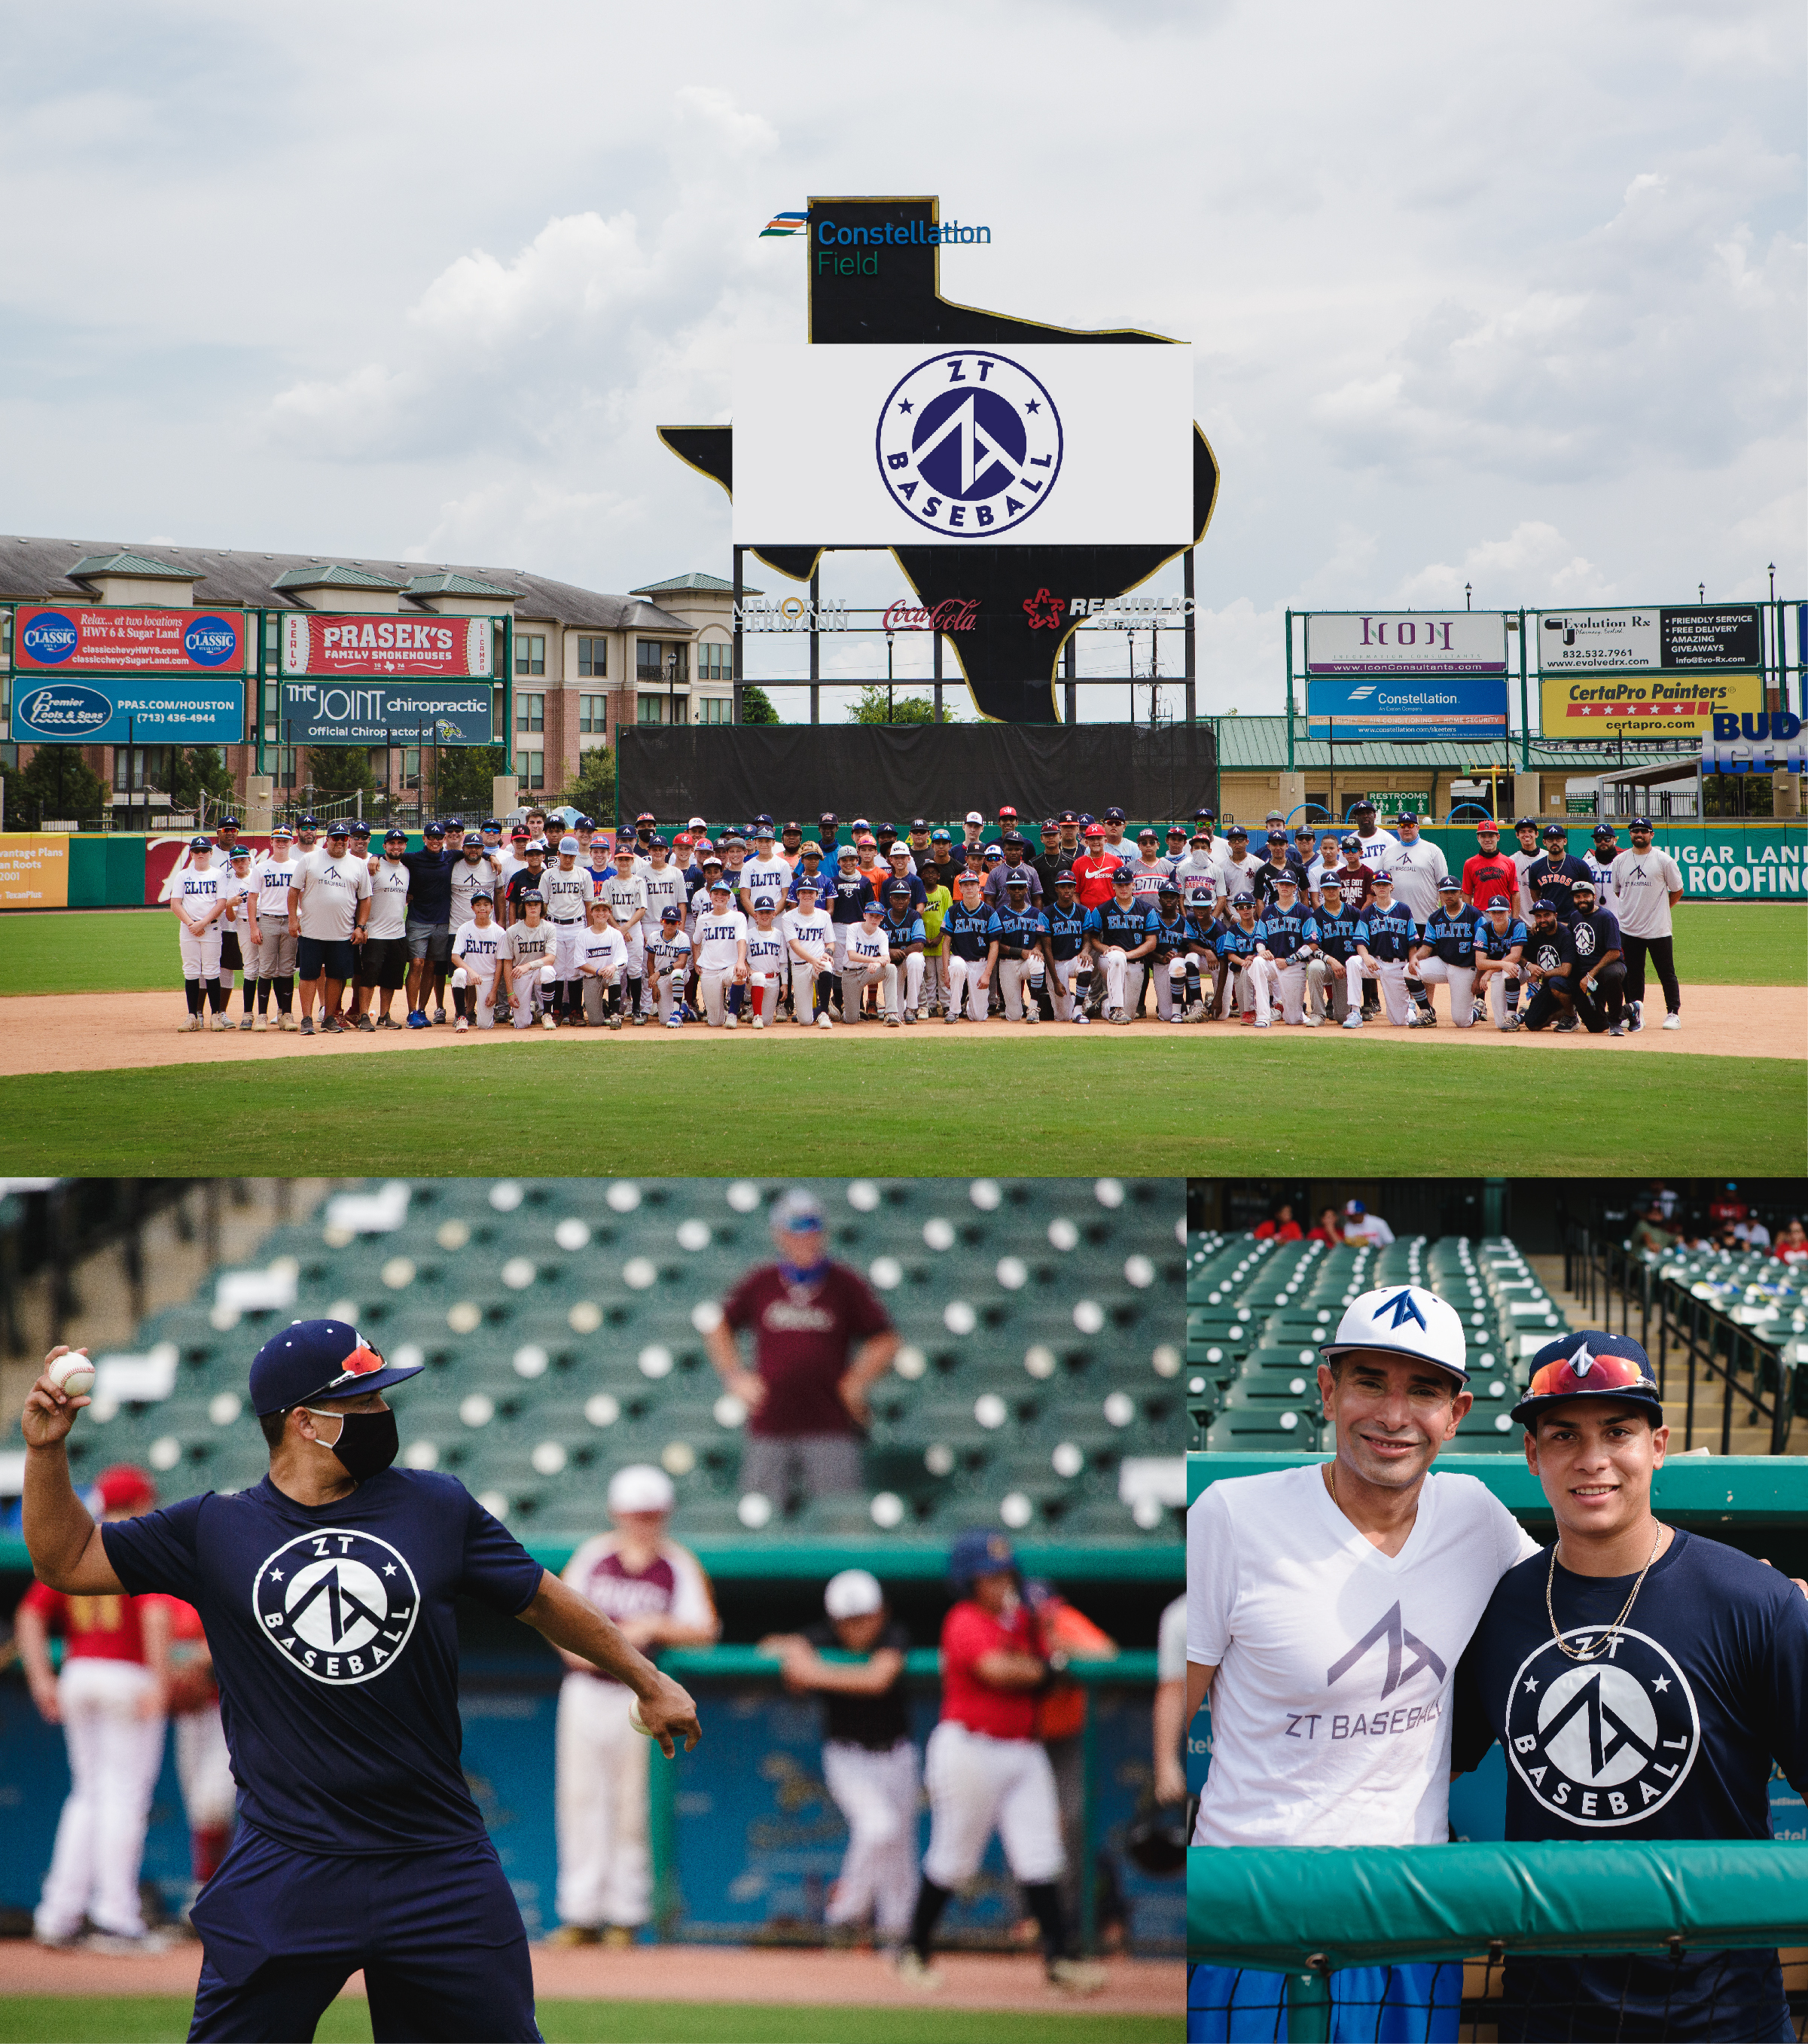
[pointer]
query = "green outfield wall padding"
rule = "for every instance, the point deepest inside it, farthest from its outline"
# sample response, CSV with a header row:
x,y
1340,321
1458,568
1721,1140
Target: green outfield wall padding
x,y
1719,862
1284,1909
106,871
1135,1666
87,873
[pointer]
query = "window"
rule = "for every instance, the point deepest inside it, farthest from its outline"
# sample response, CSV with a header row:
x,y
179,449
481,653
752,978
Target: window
x,y
715,709
654,710
529,712
715,663
137,767
530,654
281,764
594,659
380,760
530,769
593,713
411,766
650,658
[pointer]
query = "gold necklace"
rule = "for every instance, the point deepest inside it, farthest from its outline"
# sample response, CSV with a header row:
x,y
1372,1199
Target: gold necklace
x,y
1612,1632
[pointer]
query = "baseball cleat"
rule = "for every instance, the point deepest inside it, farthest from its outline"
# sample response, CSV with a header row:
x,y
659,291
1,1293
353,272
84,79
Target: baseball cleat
x,y
1567,1027
286,1020
248,1022
1261,1022
673,1022
222,1022
439,1015
825,1022
951,1018
1635,1013
1082,1021
188,1025
417,1019
759,1021
1510,1025
916,1971
548,1022
615,1022
1077,1976
261,1024
1352,1021
1312,1021
460,1026
1030,1014
910,1017
731,1022
1672,1021
1616,1028
1177,1020
892,1022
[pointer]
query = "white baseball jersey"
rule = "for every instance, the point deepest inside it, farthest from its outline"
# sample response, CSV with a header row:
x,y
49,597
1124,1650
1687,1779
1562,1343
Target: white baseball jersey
x,y
1602,876
1235,878
530,949
664,889
624,897
767,951
567,894
816,930
670,954
389,900
1523,862
471,876
479,949
1146,890
274,878
867,947
331,890
1643,883
717,938
601,951
1415,870
197,892
1171,1642
765,876
235,890
699,907
508,864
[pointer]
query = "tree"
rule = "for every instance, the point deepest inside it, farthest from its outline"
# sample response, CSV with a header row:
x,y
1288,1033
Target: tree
x,y
196,771
872,709
57,785
455,779
592,788
341,769
756,706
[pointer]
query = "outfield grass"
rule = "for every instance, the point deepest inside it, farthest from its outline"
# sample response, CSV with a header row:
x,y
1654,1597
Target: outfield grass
x,y
133,950
149,2019
1174,1104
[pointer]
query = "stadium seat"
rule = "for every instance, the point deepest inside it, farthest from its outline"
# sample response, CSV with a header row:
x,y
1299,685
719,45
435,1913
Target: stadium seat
x,y
1274,1431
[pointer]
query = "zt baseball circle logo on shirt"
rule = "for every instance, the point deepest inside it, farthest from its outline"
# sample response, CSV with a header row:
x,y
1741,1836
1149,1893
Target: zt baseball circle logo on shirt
x,y
339,1605
969,444
1603,1742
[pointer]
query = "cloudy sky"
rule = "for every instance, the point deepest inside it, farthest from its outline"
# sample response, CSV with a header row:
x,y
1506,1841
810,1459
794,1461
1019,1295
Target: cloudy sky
x,y
1508,296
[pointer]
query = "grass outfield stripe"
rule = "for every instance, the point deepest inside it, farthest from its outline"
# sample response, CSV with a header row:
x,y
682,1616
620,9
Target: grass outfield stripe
x,y
151,2019
1172,1105
129,950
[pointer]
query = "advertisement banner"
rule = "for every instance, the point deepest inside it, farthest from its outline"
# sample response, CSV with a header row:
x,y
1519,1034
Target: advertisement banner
x,y
1758,864
427,647
88,639
372,713
1406,707
1406,642
1693,635
34,870
1642,706
889,445
110,710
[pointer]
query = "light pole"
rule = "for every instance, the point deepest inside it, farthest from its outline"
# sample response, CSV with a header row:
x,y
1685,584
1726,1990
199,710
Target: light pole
x,y
889,637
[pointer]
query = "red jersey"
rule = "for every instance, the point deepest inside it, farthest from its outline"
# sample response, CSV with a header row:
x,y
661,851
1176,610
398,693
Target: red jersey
x,y
1483,878
93,1628
968,1634
1286,1231
803,1338
1092,877
193,1690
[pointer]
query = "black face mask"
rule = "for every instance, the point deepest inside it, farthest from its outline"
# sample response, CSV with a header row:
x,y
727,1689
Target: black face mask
x,y
367,1443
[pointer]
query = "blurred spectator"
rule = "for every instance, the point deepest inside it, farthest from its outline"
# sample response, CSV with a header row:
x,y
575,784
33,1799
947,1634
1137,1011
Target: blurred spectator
x,y
1060,1725
1792,1244
204,1767
1752,1232
1663,1199
806,1393
1170,1704
1330,1229
109,1699
1726,1207
1280,1226
1361,1226
1649,1232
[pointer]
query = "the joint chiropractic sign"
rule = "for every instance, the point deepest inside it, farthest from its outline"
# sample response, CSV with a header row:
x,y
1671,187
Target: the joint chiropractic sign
x,y
428,648
378,713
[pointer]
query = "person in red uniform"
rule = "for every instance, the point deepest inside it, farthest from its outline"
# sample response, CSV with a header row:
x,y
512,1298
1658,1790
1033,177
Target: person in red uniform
x,y
110,1700
203,1767
806,1393
1280,1226
984,1768
1490,872
1093,869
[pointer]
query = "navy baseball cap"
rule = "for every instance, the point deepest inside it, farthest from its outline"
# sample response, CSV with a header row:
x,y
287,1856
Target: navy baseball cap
x,y
401,836
481,896
978,1554
1605,830
1525,822
766,902
1592,1364
1407,817
1121,877
310,821
1497,901
319,1359
1168,888
1449,885
201,844
1236,830
1352,844
1205,815
1064,878
1639,822
1277,837
434,830
807,886
668,914
241,852
360,828
228,822
902,887
1019,878
1069,816
1113,816
1556,830
874,908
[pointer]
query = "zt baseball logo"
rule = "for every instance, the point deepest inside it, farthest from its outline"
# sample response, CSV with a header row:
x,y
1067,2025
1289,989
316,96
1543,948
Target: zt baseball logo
x,y
339,1605
1403,1307
1606,1742
1584,937
1392,1629
969,444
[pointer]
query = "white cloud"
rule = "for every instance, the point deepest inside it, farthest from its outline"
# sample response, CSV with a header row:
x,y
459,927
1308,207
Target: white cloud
x,y
1534,563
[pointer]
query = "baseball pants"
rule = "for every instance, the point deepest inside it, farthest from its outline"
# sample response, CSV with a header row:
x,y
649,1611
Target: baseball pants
x,y
437,1934
1661,950
275,957
200,954
1497,999
1334,988
979,1784
855,979
1376,2004
935,981
1170,978
637,964
115,1756
803,978
595,986
1236,987
480,997
712,991
204,1767
1123,980
963,984
1390,976
877,1793
818,1464
911,974
1604,1006
531,996
1063,991
605,1875
1013,978
668,991
1461,979
565,937
1271,981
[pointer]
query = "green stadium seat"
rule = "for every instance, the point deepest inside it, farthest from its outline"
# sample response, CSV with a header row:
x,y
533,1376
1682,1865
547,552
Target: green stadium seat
x,y
1264,1432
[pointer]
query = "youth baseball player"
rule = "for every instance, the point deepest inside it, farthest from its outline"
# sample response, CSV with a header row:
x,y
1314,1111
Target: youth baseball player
x,y
656,1595
238,930
869,964
1118,934
1445,955
1286,940
1237,943
1236,870
480,967
904,938
1069,961
969,927
664,885
768,953
809,938
599,963
197,903
110,1699
1172,962
984,1768
719,943
628,899
869,1762
276,964
669,961
327,1594
1500,944
1016,935
532,973
1392,935
1335,976
1647,884
765,873
569,892
383,961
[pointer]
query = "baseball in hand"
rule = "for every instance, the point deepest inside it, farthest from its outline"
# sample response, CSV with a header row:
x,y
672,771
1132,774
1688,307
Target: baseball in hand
x,y
73,1373
634,1719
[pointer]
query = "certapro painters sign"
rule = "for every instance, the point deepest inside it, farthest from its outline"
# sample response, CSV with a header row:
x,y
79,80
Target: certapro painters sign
x,y
1649,672
385,714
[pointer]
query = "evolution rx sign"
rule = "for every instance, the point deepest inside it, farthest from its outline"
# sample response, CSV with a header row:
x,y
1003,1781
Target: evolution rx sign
x,y
425,647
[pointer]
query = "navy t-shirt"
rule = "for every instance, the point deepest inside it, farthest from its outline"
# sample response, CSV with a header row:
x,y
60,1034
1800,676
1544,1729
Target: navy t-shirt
x,y
334,1640
1670,1733
430,884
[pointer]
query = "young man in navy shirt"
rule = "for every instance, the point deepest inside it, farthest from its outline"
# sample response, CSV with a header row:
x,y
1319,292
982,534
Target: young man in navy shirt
x,y
326,1592
1601,972
1642,1681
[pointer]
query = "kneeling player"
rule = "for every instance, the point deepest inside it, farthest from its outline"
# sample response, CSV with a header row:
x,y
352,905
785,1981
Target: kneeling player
x,y
1446,955
480,967
1238,942
597,962
1500,945
668,959
969,927
1548,966
1600,964
1392,935
869,959
809,936
767,949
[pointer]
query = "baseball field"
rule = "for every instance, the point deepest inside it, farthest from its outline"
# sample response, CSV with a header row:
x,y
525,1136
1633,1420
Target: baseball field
x,y
88,993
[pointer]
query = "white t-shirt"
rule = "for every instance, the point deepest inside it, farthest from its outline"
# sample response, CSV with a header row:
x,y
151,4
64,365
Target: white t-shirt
x,y
765,876
1236,880
1367,1227
1377,850
601,951
816,930
470,877
389,900
1331,1710
1415,870
331,890
867,947
274,878
1197,878
567,894
670,954
1171,1644
480,950
1643,883
717,938
767,951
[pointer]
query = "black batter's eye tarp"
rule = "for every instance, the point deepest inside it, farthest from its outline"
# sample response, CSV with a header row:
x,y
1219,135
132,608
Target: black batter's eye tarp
x,y
936,770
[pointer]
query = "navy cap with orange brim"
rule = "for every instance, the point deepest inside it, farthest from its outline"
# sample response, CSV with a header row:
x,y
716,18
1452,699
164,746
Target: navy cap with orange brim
x,y
1592,1364
319,1359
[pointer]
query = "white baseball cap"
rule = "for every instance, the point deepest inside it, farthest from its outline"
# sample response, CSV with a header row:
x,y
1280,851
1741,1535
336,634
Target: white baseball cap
x,y
973,817
1403,1319
853,1593
569,844
640,1487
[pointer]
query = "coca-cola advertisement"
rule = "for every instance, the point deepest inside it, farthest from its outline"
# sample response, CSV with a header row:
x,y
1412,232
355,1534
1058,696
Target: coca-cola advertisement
x,y
956,614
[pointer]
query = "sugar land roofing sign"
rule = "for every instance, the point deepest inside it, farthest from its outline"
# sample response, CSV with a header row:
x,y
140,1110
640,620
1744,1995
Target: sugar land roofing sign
x,y
1405,642
379,713
1760,864
100,639
1728,636
429,648
113,710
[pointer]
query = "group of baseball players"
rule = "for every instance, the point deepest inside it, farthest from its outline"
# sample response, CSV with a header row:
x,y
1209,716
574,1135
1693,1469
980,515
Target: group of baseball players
x,y
561,930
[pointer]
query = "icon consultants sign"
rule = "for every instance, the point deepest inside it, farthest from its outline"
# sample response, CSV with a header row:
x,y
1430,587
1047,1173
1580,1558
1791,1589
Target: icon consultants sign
x,y
1406,642
99,639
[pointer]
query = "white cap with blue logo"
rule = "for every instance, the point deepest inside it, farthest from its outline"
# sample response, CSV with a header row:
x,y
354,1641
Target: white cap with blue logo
x,y
1405,1320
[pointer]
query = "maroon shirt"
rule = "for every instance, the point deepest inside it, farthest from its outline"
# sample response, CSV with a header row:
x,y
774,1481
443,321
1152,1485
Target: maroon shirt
x,y
803,1337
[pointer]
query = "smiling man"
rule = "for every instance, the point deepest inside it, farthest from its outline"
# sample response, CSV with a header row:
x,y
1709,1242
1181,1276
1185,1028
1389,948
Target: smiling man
x,y
1643,1681
1327,1607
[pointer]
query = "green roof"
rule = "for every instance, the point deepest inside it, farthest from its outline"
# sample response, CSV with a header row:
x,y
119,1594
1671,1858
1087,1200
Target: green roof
x,y
1258,744
333,575
449,584
694,583
130,564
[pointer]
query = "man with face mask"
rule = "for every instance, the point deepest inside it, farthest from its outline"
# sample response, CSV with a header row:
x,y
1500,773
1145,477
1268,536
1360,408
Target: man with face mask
x,y
328,1593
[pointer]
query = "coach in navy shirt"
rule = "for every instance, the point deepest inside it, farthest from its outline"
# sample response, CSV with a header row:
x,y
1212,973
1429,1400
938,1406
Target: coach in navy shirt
x,y
327,1593
1642,1680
